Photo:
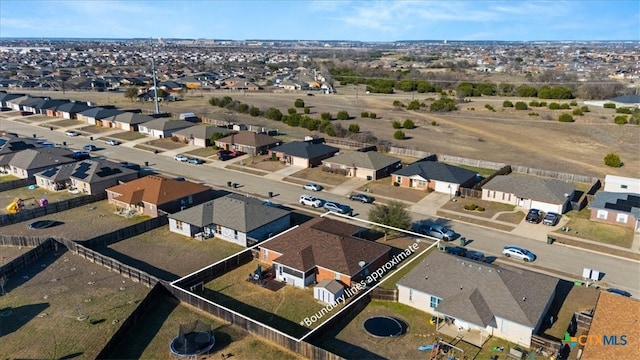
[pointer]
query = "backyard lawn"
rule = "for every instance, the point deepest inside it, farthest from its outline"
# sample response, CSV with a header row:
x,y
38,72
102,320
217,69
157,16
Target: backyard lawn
x,y
31,196
284,309
151,337
156,252
580,226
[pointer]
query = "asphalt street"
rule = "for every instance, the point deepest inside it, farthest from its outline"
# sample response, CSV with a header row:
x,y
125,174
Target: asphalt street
x,y
555,259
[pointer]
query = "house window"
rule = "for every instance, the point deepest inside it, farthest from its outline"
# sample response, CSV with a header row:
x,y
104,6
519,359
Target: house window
x,y
622,218
435,301
623,186
602,214
422,183
190,200
235,234
178,224
265,255
218,229
336,276
399,179
410,294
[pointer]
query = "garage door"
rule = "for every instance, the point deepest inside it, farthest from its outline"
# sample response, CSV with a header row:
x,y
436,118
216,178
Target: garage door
x,y
443,187
299,162
545,207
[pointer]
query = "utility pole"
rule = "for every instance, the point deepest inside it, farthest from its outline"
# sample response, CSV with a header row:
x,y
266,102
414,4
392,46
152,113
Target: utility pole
x,y
155,83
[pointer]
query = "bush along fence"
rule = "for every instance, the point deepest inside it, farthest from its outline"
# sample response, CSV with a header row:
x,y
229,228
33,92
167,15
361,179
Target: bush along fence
x,y
50,208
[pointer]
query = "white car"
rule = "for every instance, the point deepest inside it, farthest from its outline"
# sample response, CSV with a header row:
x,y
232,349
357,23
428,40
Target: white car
x,y
519,253
312,187
72,133
180,158
112,142
309,200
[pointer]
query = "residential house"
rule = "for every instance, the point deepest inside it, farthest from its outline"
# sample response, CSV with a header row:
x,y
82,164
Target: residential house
x,y
87,176
476,300
370,165
14,102
9,146
235,218
31,102
614,316
323,249
71,110
616,208
248,142
303,153
130,121
530,192
24,164
151,193
163,127
434,176
199,135
6,98
621,184
94,115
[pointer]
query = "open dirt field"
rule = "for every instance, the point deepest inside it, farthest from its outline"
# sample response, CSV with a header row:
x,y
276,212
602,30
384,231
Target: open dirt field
x,y
506,135
63,306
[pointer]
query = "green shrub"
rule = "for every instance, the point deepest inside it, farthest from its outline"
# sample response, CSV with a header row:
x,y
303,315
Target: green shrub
x,y
612,160
414,105
398,103
609,106
329,130
396,124
543,103
399,135
471,207
533,114
273,114
620,119
243,108
534,103
299,103
408,124
479,208
354,128
443,105
577,112
373,115
343,115
489,107
364,114
292,111
573,103
505,104
584,109
254,111
554,106
623,110
307,110
565,106
325,116
521,105
434,123
564,117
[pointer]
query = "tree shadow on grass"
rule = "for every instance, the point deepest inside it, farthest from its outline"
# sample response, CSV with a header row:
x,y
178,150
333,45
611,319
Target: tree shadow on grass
x,y
13,318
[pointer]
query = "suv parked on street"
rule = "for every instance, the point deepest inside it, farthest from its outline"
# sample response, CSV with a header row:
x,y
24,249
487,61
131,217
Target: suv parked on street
x,y
309,200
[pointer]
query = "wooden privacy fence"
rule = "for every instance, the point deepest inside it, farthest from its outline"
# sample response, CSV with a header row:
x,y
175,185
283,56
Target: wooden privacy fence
x,y
18,183
544,345
127,232
41,247
384,294
51,208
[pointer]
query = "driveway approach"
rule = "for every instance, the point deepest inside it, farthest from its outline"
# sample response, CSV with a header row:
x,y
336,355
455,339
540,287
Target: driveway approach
x,y
560,260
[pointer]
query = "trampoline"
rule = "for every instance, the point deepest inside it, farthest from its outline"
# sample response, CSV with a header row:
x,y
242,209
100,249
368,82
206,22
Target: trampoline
x,y
193,339
384,326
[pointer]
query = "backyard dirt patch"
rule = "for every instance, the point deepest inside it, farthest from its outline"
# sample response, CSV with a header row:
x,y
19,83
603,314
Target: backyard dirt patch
x,y
155,252
8,253
151,337
166,143
316,174
81,223
63,306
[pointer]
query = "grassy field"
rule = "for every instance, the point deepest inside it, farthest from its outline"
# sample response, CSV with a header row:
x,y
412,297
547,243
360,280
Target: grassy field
x,y
580,226
63,306
150,339
155,252
283,309
578,299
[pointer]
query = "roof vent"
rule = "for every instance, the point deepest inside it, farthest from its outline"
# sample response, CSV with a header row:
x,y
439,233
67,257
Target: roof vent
x,y
524,298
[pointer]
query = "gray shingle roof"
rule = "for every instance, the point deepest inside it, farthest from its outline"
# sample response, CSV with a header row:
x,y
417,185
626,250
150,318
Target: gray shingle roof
x,y
478,292
100,112
40,158
234,211
366,160
200,131
167,124
432,170
531,187
73,107
131,118
620,202
91,171
250,138
305,149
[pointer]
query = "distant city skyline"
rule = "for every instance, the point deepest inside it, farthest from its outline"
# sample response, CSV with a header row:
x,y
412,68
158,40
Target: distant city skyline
x,y
370,21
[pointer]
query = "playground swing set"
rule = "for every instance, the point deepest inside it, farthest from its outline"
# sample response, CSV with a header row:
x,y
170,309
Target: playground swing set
x,y
18,204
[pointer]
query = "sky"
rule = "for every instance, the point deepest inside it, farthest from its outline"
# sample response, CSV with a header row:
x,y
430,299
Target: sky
x,y
360,20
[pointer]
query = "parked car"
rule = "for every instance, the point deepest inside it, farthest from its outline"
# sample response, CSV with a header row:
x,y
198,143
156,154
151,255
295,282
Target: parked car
x,y
438,231
519,253
551,219
112,142
312,187
225,157
362,198
195,161
72,133
456,250
309,200
534,216
43,224
180,158
81,155
619,292
475,255
90,147
337,207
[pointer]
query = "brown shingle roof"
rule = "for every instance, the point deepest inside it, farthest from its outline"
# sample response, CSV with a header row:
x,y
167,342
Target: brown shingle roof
x,y
249,138
614,315
156,190
327,243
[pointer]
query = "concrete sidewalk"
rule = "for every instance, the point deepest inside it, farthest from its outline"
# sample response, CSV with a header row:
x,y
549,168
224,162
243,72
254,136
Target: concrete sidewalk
x,y
283,173
430,204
